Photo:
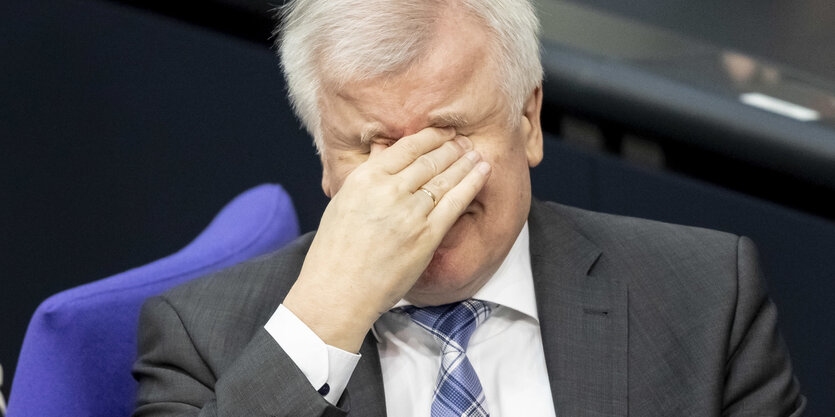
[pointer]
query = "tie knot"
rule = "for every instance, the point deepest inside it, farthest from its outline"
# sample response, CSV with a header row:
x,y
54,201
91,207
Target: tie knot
x,y
451,324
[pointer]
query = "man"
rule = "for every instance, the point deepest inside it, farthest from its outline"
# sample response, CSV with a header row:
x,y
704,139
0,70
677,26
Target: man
x,y
426,117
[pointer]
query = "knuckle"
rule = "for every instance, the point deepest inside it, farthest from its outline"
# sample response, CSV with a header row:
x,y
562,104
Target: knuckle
x,y
409,148
453,146
399,188
428,163
439,183
456,203
411,225
414,222
361,175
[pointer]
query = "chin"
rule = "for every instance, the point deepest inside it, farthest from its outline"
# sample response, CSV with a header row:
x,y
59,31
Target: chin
x,y
451,276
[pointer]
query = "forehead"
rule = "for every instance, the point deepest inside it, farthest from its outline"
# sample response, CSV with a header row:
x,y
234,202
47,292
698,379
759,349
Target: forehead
x,y
451,85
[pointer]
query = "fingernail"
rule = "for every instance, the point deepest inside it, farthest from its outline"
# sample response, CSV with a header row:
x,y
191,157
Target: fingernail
x,y
473,156
483,167
465,142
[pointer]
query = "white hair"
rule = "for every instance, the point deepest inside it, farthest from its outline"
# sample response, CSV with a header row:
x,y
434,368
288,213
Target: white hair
x,y
357,40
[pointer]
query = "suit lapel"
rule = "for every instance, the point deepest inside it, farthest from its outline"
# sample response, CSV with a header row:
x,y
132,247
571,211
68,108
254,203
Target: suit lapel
x,y
365,389
583,318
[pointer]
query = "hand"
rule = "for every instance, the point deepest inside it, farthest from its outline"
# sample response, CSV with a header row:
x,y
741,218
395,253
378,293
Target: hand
x,y
379,232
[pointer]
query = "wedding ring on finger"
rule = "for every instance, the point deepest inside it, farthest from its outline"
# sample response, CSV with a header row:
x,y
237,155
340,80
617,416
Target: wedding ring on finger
x,y
432,196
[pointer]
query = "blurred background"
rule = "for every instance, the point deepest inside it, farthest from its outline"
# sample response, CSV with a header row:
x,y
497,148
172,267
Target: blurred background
x,y
126,125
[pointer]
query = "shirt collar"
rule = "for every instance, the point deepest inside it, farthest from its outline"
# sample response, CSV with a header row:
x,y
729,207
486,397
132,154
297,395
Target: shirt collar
x,y
512,284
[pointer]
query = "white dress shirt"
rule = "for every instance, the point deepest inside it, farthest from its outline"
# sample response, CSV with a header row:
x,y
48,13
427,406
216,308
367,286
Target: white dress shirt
x,y
505,351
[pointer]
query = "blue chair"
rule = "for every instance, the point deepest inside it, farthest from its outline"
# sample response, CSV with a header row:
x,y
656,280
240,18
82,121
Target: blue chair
x,y
81,343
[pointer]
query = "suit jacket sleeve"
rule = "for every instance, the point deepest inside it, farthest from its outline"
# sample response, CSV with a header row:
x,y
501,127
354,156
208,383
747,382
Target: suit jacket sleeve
x,y
759,378
175,379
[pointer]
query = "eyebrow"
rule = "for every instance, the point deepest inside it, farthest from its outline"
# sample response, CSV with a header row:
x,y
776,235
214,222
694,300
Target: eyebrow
x,y
451,119
369,132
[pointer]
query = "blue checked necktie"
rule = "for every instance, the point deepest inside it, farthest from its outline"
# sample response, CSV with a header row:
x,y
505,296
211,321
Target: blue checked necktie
x,y
458,391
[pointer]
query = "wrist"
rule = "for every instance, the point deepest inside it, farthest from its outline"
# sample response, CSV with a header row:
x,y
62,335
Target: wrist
x,y
339,322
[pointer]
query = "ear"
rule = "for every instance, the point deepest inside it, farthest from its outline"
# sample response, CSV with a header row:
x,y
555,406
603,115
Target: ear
x,y
532,128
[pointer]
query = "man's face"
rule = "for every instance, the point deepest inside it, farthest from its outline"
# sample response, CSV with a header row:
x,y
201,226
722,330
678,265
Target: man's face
x,y
455,82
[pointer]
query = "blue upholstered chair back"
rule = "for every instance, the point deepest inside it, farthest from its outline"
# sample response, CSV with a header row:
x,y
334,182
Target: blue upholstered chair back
x,y
81,343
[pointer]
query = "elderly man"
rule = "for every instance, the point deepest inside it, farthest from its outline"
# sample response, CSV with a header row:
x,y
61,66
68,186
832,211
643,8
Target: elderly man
x,y
434,286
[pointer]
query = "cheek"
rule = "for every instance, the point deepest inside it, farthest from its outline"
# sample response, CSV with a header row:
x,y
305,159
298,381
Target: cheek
x,y
507,157
506,187
500,146
510,179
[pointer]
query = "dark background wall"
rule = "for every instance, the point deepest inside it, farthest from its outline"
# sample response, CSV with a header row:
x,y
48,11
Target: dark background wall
x,y
122,133
123,130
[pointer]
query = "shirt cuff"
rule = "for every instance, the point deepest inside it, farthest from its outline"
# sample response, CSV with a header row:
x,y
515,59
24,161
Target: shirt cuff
x,y
327,368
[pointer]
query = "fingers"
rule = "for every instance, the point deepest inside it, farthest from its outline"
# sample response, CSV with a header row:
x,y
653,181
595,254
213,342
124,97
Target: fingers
x,y
443,182
432,164
377,148
456,200
409,148
445,166
425,200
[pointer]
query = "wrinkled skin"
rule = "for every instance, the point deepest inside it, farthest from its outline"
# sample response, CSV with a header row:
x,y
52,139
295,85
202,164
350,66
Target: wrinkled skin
x,y
443,125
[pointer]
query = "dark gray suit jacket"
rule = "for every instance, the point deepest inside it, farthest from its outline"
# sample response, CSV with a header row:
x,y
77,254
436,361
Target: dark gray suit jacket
x,y
638,318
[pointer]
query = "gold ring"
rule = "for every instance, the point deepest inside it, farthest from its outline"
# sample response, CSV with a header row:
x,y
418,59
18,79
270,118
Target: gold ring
x,y
432,196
